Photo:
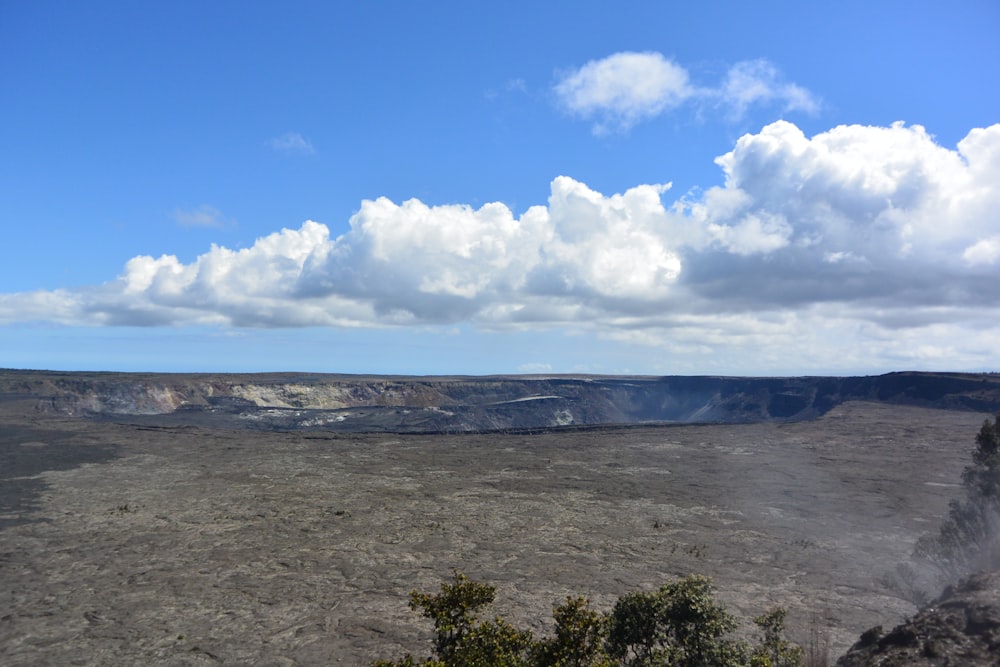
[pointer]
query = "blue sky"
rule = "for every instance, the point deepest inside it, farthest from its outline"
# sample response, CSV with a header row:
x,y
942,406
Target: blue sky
x,y
437,188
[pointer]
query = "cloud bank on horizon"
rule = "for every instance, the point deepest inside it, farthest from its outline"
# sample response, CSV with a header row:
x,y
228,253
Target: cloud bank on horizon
x,y
874,235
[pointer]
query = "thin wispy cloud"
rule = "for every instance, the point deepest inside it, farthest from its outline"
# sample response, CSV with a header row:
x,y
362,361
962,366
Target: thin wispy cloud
x,y
517,86
623,89
875,235
202,216
534,368
758,82
292,143
626,88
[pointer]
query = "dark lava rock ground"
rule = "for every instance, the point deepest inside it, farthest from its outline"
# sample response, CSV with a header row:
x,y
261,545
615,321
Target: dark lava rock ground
x,y
959,629
127,544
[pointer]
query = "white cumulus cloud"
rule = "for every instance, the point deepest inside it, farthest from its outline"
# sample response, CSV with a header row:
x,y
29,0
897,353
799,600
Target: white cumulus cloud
x,y
810,246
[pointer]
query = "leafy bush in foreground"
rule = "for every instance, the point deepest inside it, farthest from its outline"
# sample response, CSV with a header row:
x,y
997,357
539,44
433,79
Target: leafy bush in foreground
x,y
679,625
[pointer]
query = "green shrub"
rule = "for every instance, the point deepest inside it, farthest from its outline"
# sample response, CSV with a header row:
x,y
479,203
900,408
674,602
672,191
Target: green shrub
x,y
679,625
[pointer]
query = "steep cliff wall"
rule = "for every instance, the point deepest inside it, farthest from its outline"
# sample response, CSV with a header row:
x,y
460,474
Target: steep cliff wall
x,y
355,403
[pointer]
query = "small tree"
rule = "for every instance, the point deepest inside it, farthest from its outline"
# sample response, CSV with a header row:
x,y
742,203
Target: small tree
x,y
460,638
680,625
493,643
454,611
774,650
579,638
635,635
969,539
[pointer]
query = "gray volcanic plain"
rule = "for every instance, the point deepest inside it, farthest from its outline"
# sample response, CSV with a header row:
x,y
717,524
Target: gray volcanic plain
x,y
144,539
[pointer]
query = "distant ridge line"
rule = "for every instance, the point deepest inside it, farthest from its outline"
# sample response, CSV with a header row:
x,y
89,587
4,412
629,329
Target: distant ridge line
x,y
471,404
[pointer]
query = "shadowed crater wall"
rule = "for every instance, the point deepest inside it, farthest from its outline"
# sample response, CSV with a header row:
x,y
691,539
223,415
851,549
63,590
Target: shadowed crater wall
x,y
295,401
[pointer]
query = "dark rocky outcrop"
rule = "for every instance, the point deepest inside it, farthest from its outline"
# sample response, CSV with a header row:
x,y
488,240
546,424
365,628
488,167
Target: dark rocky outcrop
x,y
959,629
462,404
